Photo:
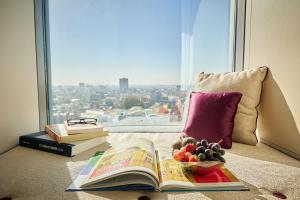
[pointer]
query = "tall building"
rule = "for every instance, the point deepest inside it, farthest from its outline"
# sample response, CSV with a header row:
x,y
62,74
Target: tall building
x,y
123,84
81,85
81,88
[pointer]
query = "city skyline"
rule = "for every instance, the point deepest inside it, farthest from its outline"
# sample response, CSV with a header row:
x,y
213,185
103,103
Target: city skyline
x,y
115,85
154,105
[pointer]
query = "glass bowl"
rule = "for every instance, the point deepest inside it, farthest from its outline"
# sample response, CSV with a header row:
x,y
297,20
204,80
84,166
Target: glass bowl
x,y
200,167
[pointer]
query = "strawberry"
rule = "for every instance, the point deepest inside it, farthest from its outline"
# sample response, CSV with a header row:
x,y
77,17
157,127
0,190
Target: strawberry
x,y
193,158
190,147
183,149
182,152
177,157
185,159
188,154
175,151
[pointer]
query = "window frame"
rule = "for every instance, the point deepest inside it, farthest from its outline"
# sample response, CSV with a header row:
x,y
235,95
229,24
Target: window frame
x,y
43,59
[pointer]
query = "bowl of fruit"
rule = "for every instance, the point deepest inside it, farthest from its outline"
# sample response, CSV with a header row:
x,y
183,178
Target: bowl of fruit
x,y
198,154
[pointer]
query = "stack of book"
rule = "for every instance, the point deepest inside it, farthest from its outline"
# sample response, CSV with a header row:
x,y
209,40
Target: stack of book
x,y
66,139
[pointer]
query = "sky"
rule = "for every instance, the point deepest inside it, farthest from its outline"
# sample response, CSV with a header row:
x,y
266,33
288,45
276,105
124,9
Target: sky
x,y
100,41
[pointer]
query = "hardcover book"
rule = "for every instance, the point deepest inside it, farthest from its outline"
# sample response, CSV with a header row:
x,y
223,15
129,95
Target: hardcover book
x,y
42,141
59,133
136,165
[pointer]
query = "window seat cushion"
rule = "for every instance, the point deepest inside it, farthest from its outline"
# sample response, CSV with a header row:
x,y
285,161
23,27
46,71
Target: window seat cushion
x,y
31,174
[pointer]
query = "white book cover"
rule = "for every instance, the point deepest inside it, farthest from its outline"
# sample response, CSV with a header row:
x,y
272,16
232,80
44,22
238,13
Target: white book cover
x,y
83,128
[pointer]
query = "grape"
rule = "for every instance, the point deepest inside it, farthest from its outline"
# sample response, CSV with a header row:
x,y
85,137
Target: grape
x,y
201,156
198,144
203,150
208,153
217,156
221,152
210,145
222,159
204,143
214,159
216,147
200,149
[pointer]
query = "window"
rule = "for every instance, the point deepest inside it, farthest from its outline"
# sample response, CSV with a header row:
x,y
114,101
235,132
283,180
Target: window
x,y
130,63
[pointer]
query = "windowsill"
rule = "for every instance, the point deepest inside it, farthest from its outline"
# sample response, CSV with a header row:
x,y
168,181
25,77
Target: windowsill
x,y
146,129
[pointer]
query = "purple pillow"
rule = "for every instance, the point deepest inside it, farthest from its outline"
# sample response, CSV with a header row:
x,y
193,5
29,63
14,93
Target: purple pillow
x,y
211,116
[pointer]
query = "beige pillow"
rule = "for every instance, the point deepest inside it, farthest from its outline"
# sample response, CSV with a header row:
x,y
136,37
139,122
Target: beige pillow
x,y
249,83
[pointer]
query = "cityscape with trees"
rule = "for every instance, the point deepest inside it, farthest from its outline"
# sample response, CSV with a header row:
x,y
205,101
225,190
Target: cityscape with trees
x,y
119,105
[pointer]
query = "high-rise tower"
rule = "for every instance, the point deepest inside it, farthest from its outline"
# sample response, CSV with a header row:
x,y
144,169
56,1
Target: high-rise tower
x,y
123,84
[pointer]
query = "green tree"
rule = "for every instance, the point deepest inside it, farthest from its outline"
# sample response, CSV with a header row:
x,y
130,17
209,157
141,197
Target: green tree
x,y
131,101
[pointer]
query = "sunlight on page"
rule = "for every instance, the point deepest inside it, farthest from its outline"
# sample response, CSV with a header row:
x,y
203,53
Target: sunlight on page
x,y
77,167
74,169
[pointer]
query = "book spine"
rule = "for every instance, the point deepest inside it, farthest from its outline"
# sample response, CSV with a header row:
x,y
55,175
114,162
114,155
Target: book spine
x,y
44,145
52,134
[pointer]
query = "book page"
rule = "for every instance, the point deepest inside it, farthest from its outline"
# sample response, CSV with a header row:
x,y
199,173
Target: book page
x,y
132,180
173,176
134,155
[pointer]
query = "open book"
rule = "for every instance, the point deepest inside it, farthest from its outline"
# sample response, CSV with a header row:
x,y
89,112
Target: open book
x,y
135,165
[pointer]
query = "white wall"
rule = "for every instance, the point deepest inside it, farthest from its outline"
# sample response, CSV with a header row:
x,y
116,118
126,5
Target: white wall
x,y
18,82
273,39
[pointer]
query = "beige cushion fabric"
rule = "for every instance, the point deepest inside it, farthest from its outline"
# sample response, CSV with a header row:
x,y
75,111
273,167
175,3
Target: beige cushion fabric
x,y
249,83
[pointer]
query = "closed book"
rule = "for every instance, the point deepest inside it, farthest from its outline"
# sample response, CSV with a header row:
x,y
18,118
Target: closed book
x,y
83,128
43,142
58,132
